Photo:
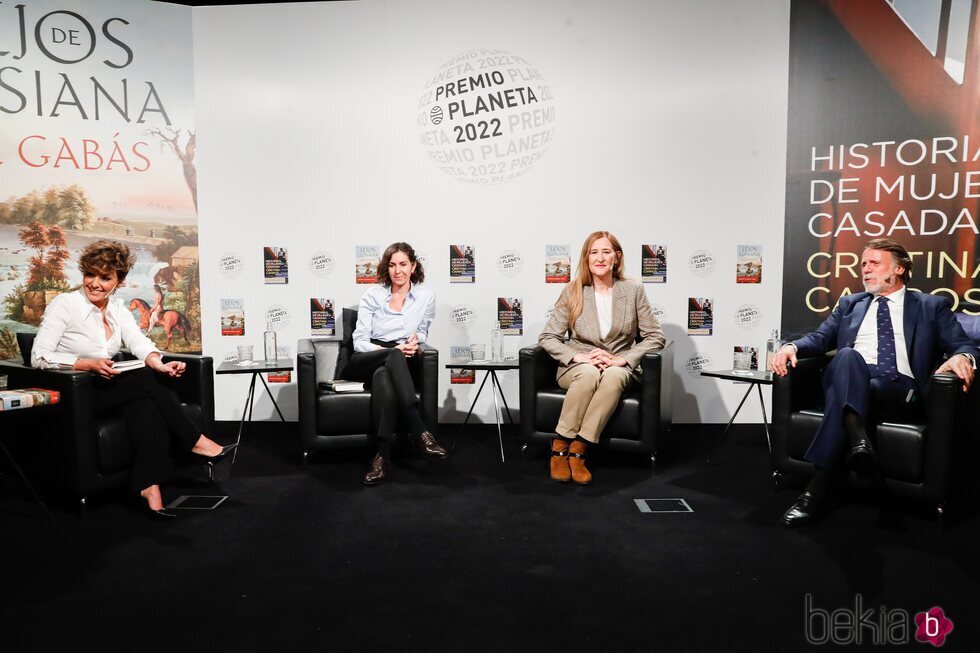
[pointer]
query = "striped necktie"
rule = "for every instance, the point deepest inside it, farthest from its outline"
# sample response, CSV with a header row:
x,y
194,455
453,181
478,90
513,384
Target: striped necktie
x,y
887,365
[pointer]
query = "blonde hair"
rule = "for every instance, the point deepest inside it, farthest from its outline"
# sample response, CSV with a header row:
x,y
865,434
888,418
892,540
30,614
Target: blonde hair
x,y
583,276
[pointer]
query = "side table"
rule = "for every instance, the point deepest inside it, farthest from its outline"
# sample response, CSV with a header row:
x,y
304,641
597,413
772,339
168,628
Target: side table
x,y
491,368
756,379
5,416
256,369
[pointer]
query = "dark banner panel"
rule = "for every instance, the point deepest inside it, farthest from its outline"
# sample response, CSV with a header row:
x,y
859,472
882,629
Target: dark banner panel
x,y
883,141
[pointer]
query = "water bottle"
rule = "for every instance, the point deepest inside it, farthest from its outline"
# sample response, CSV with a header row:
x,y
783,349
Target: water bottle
x,y
496,344
271,348
772,346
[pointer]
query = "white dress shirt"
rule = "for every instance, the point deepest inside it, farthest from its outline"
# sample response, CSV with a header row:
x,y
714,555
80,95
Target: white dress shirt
x,y
72,328
378,321
866,342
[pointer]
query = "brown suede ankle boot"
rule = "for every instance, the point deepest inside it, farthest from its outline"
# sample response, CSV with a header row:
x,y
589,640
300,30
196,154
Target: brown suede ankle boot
x,y
559,461
576,462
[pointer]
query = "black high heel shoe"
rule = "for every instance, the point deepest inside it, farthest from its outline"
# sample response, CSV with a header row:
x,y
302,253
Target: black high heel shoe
x,y
161,515
225,450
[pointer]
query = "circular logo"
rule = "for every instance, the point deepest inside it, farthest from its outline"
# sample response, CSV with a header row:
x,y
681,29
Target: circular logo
x,y
701,263
462,316
697,362
747,316
486,117
510,263
659,312
230,265
278,315
321,263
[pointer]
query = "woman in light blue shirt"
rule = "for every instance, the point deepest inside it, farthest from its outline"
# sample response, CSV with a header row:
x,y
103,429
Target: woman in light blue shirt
x,y
393,319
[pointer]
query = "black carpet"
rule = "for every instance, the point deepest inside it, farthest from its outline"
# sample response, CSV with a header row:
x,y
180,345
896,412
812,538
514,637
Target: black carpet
x,y
475,554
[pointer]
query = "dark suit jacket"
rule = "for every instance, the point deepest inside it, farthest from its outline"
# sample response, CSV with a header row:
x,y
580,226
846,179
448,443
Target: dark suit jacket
x,y
931,330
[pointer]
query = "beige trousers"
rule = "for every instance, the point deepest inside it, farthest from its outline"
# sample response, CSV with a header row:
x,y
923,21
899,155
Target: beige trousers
x,y
591,398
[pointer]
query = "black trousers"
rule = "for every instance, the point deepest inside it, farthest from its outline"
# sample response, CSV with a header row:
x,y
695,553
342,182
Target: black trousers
x,y
392,388
153,415
850,383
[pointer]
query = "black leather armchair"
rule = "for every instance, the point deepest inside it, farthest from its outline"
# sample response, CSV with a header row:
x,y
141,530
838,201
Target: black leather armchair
x,y
640,423
915,459
86,454
330,420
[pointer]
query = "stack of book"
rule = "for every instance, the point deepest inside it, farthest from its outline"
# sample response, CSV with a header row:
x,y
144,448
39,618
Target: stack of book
x,y
27,397
340,385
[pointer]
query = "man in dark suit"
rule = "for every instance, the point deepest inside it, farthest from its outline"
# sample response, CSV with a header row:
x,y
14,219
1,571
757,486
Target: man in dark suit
x,y
889,341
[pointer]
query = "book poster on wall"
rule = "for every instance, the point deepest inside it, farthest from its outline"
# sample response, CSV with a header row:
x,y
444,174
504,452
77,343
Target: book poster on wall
x,y
748,264
282,352
462,264
753,353
276,265
653,264
510,315
457,375
700,317
557,263
322,320
232,317
366,259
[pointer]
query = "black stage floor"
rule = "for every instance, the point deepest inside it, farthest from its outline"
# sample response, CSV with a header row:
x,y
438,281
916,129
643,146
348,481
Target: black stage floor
x,y
473,554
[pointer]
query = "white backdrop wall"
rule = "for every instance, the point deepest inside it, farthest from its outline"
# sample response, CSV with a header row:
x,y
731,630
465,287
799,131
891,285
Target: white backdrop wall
x,y
670,128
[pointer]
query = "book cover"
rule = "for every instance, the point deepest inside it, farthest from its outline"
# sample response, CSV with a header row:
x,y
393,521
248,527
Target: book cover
x,y
510,315
276,265
282,352
457,375
653,264
753,353
232,317
322,320
15,399
700,317
748,264
43,396
366,258
462,264
557,263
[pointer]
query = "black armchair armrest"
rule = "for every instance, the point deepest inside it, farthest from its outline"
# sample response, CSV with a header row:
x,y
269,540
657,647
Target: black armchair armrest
x,y
196,386
306,396
537,370
944,394
429,390
655,392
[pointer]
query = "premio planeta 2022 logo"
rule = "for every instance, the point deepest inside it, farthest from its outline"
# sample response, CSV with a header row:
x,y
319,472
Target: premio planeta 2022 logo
x,y
486,117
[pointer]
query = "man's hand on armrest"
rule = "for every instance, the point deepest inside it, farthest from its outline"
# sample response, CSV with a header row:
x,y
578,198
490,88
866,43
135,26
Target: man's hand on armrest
x,y
962,366
786,354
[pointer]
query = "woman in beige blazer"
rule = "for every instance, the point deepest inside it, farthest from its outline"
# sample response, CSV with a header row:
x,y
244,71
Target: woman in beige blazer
x,y
605,314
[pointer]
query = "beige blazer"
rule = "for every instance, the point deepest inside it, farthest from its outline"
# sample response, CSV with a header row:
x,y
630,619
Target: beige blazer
x,y
632,315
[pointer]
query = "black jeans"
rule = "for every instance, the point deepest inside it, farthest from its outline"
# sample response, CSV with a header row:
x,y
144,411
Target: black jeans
x,y
392,388
152,414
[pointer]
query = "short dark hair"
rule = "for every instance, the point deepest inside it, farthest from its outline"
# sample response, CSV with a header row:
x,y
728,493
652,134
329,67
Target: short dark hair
x,y
105,255
900,254
417,277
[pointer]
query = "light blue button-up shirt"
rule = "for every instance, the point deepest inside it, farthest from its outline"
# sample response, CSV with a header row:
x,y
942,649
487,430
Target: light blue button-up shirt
x,y
377,321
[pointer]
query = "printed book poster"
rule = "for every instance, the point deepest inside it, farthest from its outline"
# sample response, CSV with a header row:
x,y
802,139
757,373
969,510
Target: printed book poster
x,y
462,264
700,318
557,263
322,321
510,315
276,266
457,375
748,264
653,264
232,317
366,258
282,352
753,351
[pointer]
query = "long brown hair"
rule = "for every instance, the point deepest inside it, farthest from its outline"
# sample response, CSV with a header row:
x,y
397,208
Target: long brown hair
x,y
583,276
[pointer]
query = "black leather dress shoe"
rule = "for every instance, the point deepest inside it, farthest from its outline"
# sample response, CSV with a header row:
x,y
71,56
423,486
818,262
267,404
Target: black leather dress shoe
x,y
806,510
429,447
378,471
862,460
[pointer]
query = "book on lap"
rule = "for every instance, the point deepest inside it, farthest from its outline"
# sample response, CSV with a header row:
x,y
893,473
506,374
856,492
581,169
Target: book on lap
x,y
341,385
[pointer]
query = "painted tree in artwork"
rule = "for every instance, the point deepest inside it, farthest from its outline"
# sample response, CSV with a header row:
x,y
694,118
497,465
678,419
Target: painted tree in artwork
x,y
47,266
185,154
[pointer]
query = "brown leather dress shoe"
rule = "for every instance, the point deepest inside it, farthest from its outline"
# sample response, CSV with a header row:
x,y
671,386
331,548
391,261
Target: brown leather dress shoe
x,y
377,473
806,510
429,447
